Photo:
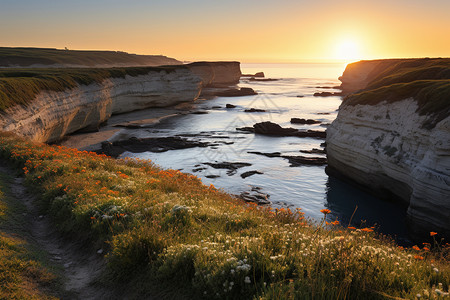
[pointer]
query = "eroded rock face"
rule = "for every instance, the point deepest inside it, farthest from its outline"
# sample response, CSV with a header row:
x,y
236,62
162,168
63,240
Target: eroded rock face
x,y
217,73
51,115
384,147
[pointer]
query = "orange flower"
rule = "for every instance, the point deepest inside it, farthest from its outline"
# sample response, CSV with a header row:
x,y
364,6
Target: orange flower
x,y
433,233
352,228
418,257
416,248
335,222
367,229
325,211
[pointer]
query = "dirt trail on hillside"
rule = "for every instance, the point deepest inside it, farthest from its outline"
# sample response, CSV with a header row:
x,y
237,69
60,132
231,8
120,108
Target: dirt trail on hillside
x,y
80,268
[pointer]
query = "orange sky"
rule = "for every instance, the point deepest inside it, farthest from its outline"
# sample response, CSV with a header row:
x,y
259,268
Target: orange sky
x,y
248,31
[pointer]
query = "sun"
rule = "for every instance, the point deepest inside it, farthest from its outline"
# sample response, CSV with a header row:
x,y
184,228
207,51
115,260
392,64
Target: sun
x,y
347,50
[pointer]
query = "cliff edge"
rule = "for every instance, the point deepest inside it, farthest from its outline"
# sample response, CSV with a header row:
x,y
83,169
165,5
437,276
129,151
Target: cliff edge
x,y
392,136
57,58
47,104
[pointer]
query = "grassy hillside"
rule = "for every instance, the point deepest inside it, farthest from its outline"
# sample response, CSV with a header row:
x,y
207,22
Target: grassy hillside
x,y
20,86
163,227
25,57
426,80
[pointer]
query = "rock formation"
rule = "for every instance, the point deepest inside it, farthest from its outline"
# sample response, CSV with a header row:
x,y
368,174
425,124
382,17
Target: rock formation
x,y
394,139
53,114
217,73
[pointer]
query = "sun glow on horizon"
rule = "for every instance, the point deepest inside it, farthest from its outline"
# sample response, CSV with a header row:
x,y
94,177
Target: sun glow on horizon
x,y
347,50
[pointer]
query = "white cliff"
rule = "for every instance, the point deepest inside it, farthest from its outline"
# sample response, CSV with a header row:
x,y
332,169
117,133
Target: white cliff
x,y
52,115
384,147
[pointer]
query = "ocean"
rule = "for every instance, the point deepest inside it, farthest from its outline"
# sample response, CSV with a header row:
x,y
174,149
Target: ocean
x,y
306,187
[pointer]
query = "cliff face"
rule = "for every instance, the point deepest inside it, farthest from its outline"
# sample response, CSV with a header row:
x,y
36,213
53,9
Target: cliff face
x,y
217,73
383,140
52,114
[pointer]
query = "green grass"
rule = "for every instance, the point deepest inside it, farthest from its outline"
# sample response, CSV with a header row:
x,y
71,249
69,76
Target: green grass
x,y
25,57
432,96
411,70
425,80
22,273
165,228
20,86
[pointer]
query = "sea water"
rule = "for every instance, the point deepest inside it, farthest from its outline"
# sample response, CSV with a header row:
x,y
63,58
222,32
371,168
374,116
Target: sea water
x,y
305,187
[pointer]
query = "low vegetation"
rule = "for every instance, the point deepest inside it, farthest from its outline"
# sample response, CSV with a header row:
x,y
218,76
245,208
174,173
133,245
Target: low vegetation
x,y
425,80
166,227
22,274
20,86
25,57
432,96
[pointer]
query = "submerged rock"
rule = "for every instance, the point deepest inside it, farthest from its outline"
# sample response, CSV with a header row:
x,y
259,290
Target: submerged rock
x,y
250,173
236,92
314,151
212,176
160,144
255,110
258,74
230,166
304,121
295,161
230,106
200,112
273,129
265,79
327,94
255,196
273,154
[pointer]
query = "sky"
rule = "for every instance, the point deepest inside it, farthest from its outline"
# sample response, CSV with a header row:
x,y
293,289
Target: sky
x,y
244,30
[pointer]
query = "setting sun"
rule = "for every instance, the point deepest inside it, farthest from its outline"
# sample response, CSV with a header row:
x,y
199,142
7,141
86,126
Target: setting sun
x,y
347,50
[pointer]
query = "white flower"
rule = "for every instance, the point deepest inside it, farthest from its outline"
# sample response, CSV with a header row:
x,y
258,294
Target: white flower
x,y
436,270
247,279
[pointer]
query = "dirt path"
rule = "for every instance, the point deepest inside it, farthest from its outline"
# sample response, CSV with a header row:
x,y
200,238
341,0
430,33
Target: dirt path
x,y
80,269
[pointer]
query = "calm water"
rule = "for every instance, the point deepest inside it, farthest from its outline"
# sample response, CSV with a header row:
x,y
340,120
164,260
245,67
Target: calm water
x,y
307,187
